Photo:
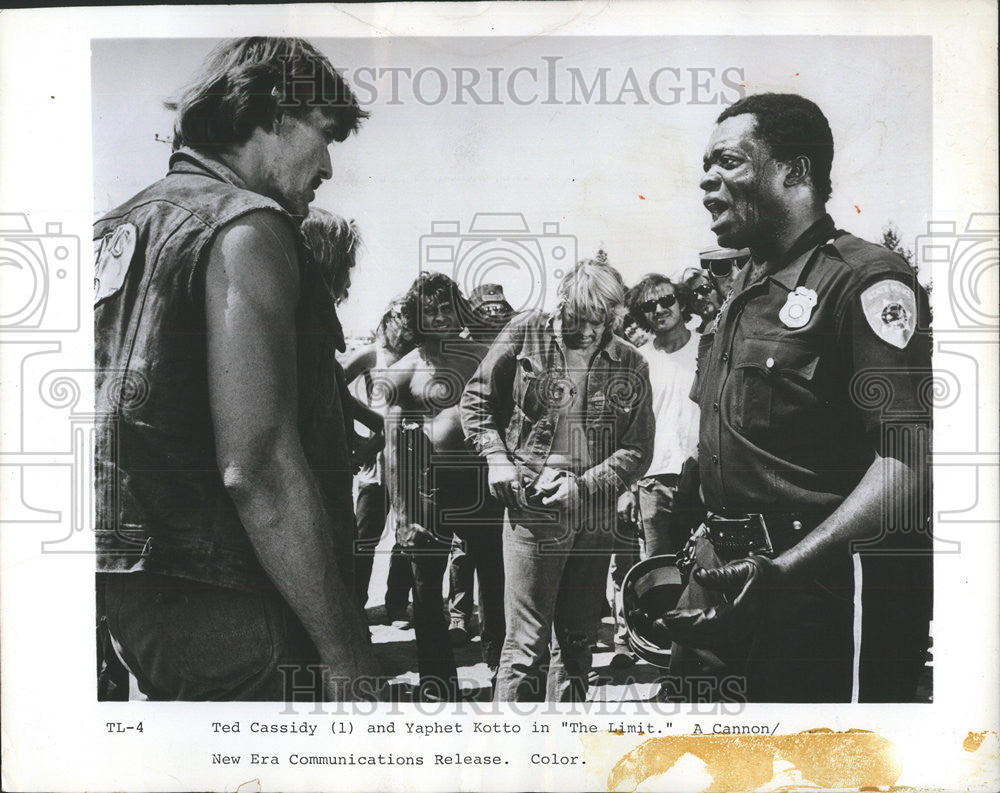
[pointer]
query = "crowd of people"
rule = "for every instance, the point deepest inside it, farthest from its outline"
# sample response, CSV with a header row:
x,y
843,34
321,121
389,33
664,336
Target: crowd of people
x,y
446,516
710,421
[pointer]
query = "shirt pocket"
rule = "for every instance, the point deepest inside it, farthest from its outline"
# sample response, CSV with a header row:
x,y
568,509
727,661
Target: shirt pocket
x,y
701,365
771,390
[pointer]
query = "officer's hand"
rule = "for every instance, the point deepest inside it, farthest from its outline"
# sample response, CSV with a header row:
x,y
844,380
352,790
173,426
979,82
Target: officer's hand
x,y
503,479
628,511
562,491
746,581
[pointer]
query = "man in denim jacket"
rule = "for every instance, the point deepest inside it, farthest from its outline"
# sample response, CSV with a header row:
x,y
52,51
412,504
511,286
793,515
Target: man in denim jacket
x,y
560,408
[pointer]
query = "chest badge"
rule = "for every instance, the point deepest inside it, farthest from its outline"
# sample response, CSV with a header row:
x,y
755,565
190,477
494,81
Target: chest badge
x,y
798,308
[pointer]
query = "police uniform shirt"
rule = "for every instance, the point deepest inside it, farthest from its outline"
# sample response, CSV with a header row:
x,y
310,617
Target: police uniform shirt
x,y
803,371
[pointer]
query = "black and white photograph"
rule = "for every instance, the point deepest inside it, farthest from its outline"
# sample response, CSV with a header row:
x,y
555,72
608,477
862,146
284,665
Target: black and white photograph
x,y
532,403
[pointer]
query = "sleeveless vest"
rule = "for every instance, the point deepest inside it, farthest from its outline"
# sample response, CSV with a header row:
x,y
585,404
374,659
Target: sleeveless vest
x,y
160,501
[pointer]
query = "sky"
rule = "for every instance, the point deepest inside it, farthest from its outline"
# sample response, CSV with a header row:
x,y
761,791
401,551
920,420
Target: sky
x,y
505,158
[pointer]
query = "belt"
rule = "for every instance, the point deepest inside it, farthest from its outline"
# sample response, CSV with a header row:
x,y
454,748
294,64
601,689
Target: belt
x,y
767,533
667,480
740,536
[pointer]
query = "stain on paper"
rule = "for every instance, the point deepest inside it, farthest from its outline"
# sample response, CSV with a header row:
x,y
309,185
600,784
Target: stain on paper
x,y
817,758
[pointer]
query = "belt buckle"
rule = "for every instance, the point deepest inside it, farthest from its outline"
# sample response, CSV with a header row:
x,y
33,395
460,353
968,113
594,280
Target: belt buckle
x,y
740,537
763,544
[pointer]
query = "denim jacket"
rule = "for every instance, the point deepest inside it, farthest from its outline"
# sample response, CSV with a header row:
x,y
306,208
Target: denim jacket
x,y
513,403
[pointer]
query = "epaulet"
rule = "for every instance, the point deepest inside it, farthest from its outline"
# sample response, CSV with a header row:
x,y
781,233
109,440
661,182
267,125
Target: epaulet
x,y
859,254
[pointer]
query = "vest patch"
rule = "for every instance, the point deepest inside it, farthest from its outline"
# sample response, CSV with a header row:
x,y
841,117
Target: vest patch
x,y
112,257
891,310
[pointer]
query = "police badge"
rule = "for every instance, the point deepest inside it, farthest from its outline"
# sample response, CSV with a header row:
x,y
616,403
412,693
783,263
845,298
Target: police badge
x,y
798,308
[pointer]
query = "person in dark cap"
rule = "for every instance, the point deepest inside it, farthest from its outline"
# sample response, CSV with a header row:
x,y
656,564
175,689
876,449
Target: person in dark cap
x,y
712,281
490,312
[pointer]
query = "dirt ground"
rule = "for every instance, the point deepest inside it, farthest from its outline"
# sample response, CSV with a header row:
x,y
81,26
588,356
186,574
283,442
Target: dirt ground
x,y
397,652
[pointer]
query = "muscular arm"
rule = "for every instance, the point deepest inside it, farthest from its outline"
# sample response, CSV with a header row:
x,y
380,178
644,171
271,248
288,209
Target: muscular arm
x,y
361,412
747,580
251,292
359,362
859,517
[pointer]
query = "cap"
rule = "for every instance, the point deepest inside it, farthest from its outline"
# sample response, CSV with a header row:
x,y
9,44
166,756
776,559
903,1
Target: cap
x,y
488,301
713,253
721,261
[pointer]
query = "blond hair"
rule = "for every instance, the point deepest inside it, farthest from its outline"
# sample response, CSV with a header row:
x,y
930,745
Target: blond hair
x,y
334,243
593,289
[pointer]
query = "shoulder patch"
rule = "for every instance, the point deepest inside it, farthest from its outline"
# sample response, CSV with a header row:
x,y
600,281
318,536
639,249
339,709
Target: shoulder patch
x,y
891,310
112,257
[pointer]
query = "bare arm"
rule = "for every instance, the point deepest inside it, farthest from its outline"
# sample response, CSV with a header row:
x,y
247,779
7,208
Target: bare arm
x,y
859,517
251,291
747,580
359,362
361,412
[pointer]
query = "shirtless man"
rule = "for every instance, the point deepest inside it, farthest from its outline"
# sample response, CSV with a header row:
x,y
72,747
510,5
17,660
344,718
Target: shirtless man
x,y
435,486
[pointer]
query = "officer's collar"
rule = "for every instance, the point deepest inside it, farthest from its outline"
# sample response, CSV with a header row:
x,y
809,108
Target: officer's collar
x,y
607,346
186,160
801,251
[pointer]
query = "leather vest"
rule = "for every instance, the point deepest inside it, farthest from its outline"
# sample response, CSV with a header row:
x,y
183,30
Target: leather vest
x,y
160,501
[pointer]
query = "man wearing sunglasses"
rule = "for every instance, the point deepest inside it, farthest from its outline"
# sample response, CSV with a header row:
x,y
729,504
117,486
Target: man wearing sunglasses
x,y
812,570
662,309
721,265
711,281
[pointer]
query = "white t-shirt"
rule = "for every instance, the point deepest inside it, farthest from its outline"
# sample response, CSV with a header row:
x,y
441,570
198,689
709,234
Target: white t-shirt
x,y
672,374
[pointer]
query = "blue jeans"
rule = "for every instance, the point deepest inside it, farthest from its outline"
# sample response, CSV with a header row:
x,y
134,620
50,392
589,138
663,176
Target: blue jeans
x,y
371,508
555,567
660,532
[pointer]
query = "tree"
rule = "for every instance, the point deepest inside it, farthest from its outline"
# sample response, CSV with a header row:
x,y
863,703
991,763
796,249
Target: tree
x,y
892,241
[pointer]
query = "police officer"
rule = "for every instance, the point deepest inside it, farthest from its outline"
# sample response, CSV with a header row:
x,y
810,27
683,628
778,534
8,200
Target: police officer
x,y
813,438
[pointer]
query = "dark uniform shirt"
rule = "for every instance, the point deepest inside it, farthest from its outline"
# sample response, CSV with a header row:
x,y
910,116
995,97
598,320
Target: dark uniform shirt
x,y
801,374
